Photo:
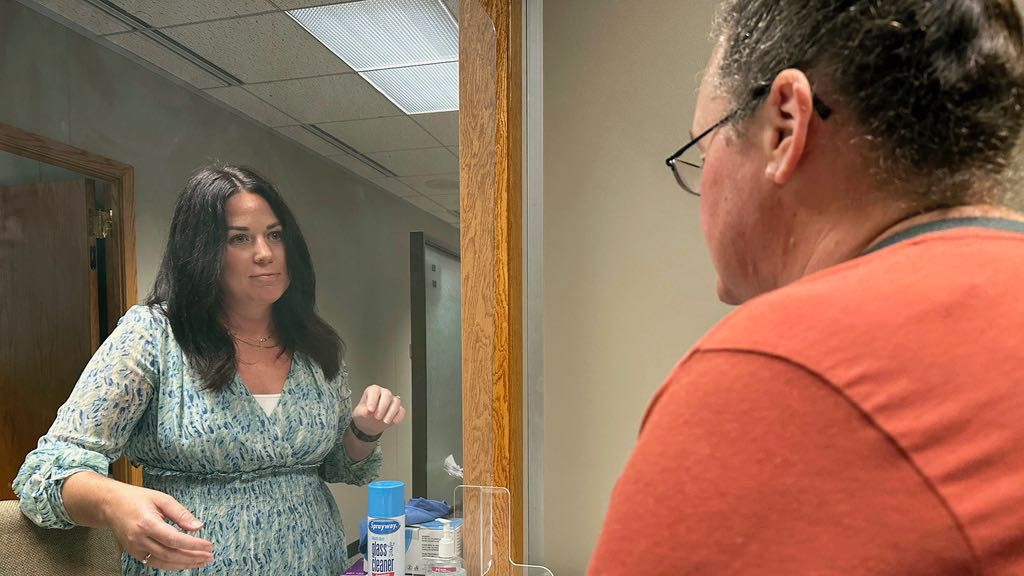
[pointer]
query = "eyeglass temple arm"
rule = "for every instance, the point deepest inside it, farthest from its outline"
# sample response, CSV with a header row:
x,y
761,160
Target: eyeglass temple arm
x,y
696,139
823,110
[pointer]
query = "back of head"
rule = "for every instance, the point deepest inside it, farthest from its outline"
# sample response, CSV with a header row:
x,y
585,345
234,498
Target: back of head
x,y
936,87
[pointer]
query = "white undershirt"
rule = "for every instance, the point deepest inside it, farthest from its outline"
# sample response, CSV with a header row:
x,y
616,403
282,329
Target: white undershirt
x,y
267,401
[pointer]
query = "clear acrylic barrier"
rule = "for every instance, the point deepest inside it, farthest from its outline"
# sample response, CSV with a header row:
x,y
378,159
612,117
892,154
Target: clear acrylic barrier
x,y
486,540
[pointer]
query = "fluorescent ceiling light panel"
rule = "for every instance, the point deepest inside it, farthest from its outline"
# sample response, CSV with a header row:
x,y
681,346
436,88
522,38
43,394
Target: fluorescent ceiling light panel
x,y
419,89
375,34
407,49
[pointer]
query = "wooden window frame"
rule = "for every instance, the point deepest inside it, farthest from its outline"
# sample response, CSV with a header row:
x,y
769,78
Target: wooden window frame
x,y
491,248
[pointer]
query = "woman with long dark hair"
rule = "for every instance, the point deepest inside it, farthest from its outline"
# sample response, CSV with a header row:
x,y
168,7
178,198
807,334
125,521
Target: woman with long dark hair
x,y
230,392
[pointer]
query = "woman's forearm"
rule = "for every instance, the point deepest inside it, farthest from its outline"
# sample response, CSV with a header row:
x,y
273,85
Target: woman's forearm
x,y
356,449
86,497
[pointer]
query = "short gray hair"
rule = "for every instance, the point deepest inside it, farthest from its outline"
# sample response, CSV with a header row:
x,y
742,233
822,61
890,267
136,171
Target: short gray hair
x,y
937,86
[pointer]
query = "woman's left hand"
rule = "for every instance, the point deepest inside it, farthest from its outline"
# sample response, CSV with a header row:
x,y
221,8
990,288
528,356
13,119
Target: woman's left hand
x,y
377,410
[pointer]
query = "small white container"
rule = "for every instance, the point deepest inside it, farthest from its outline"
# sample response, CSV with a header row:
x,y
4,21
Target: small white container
x,y
448,562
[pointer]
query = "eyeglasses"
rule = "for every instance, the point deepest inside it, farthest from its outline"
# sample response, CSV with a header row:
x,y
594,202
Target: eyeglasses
x,y
687,170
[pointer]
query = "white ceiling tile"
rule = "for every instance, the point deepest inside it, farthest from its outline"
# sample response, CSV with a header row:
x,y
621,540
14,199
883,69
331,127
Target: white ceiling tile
x,y
85,15
429,205
160,13
443,125
163,58
356,166
447,201
418,162
379,134
309,140
326,99
260,48
238,98
434,185
395,186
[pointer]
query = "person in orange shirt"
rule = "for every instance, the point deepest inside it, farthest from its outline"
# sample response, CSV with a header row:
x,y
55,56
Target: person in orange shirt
x,y
862,411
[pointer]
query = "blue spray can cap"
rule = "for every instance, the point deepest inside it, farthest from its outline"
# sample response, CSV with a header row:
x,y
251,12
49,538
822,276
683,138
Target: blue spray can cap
x,y
386,499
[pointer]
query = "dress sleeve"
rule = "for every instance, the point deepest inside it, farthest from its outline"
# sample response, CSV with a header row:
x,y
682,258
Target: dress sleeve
x,y
337,466
748,464
92,427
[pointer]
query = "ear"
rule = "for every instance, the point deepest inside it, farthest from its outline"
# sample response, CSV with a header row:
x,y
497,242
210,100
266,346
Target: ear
x,y
790,108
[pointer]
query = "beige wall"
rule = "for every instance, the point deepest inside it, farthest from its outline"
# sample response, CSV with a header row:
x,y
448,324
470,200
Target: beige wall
x,y
62,85
627,284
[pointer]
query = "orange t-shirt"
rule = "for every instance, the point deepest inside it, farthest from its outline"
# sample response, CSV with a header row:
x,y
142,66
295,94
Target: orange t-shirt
x,y
865,420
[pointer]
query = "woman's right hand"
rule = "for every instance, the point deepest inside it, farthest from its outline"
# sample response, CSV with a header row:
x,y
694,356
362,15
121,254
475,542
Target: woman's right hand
x,y
137,517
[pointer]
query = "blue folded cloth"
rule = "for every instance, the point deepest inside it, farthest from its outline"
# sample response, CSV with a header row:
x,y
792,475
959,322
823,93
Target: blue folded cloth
x,y
420,510
417,511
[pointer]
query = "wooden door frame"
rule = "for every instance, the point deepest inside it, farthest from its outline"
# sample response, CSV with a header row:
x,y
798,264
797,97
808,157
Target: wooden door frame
x,y
122,179
491,245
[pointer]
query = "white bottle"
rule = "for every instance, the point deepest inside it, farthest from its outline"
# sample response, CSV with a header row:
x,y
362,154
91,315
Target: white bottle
x,y
448,562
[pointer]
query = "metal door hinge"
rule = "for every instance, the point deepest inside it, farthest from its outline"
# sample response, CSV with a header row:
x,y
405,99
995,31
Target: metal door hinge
x,y
101,222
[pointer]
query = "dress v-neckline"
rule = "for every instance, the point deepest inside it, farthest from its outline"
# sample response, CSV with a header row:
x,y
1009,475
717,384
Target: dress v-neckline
x,y
254,403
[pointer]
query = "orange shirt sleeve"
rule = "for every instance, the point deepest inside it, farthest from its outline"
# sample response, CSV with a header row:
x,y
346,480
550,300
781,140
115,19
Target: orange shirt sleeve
x,y
748,464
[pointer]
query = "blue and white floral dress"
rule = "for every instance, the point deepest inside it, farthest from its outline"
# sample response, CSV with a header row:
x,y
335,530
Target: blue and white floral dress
x,y
257,482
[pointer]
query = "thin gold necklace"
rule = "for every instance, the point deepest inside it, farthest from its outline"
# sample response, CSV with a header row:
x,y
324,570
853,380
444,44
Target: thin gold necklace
x,y
262,343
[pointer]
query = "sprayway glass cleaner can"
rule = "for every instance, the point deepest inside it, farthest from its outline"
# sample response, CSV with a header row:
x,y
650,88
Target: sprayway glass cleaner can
x,y
385,528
